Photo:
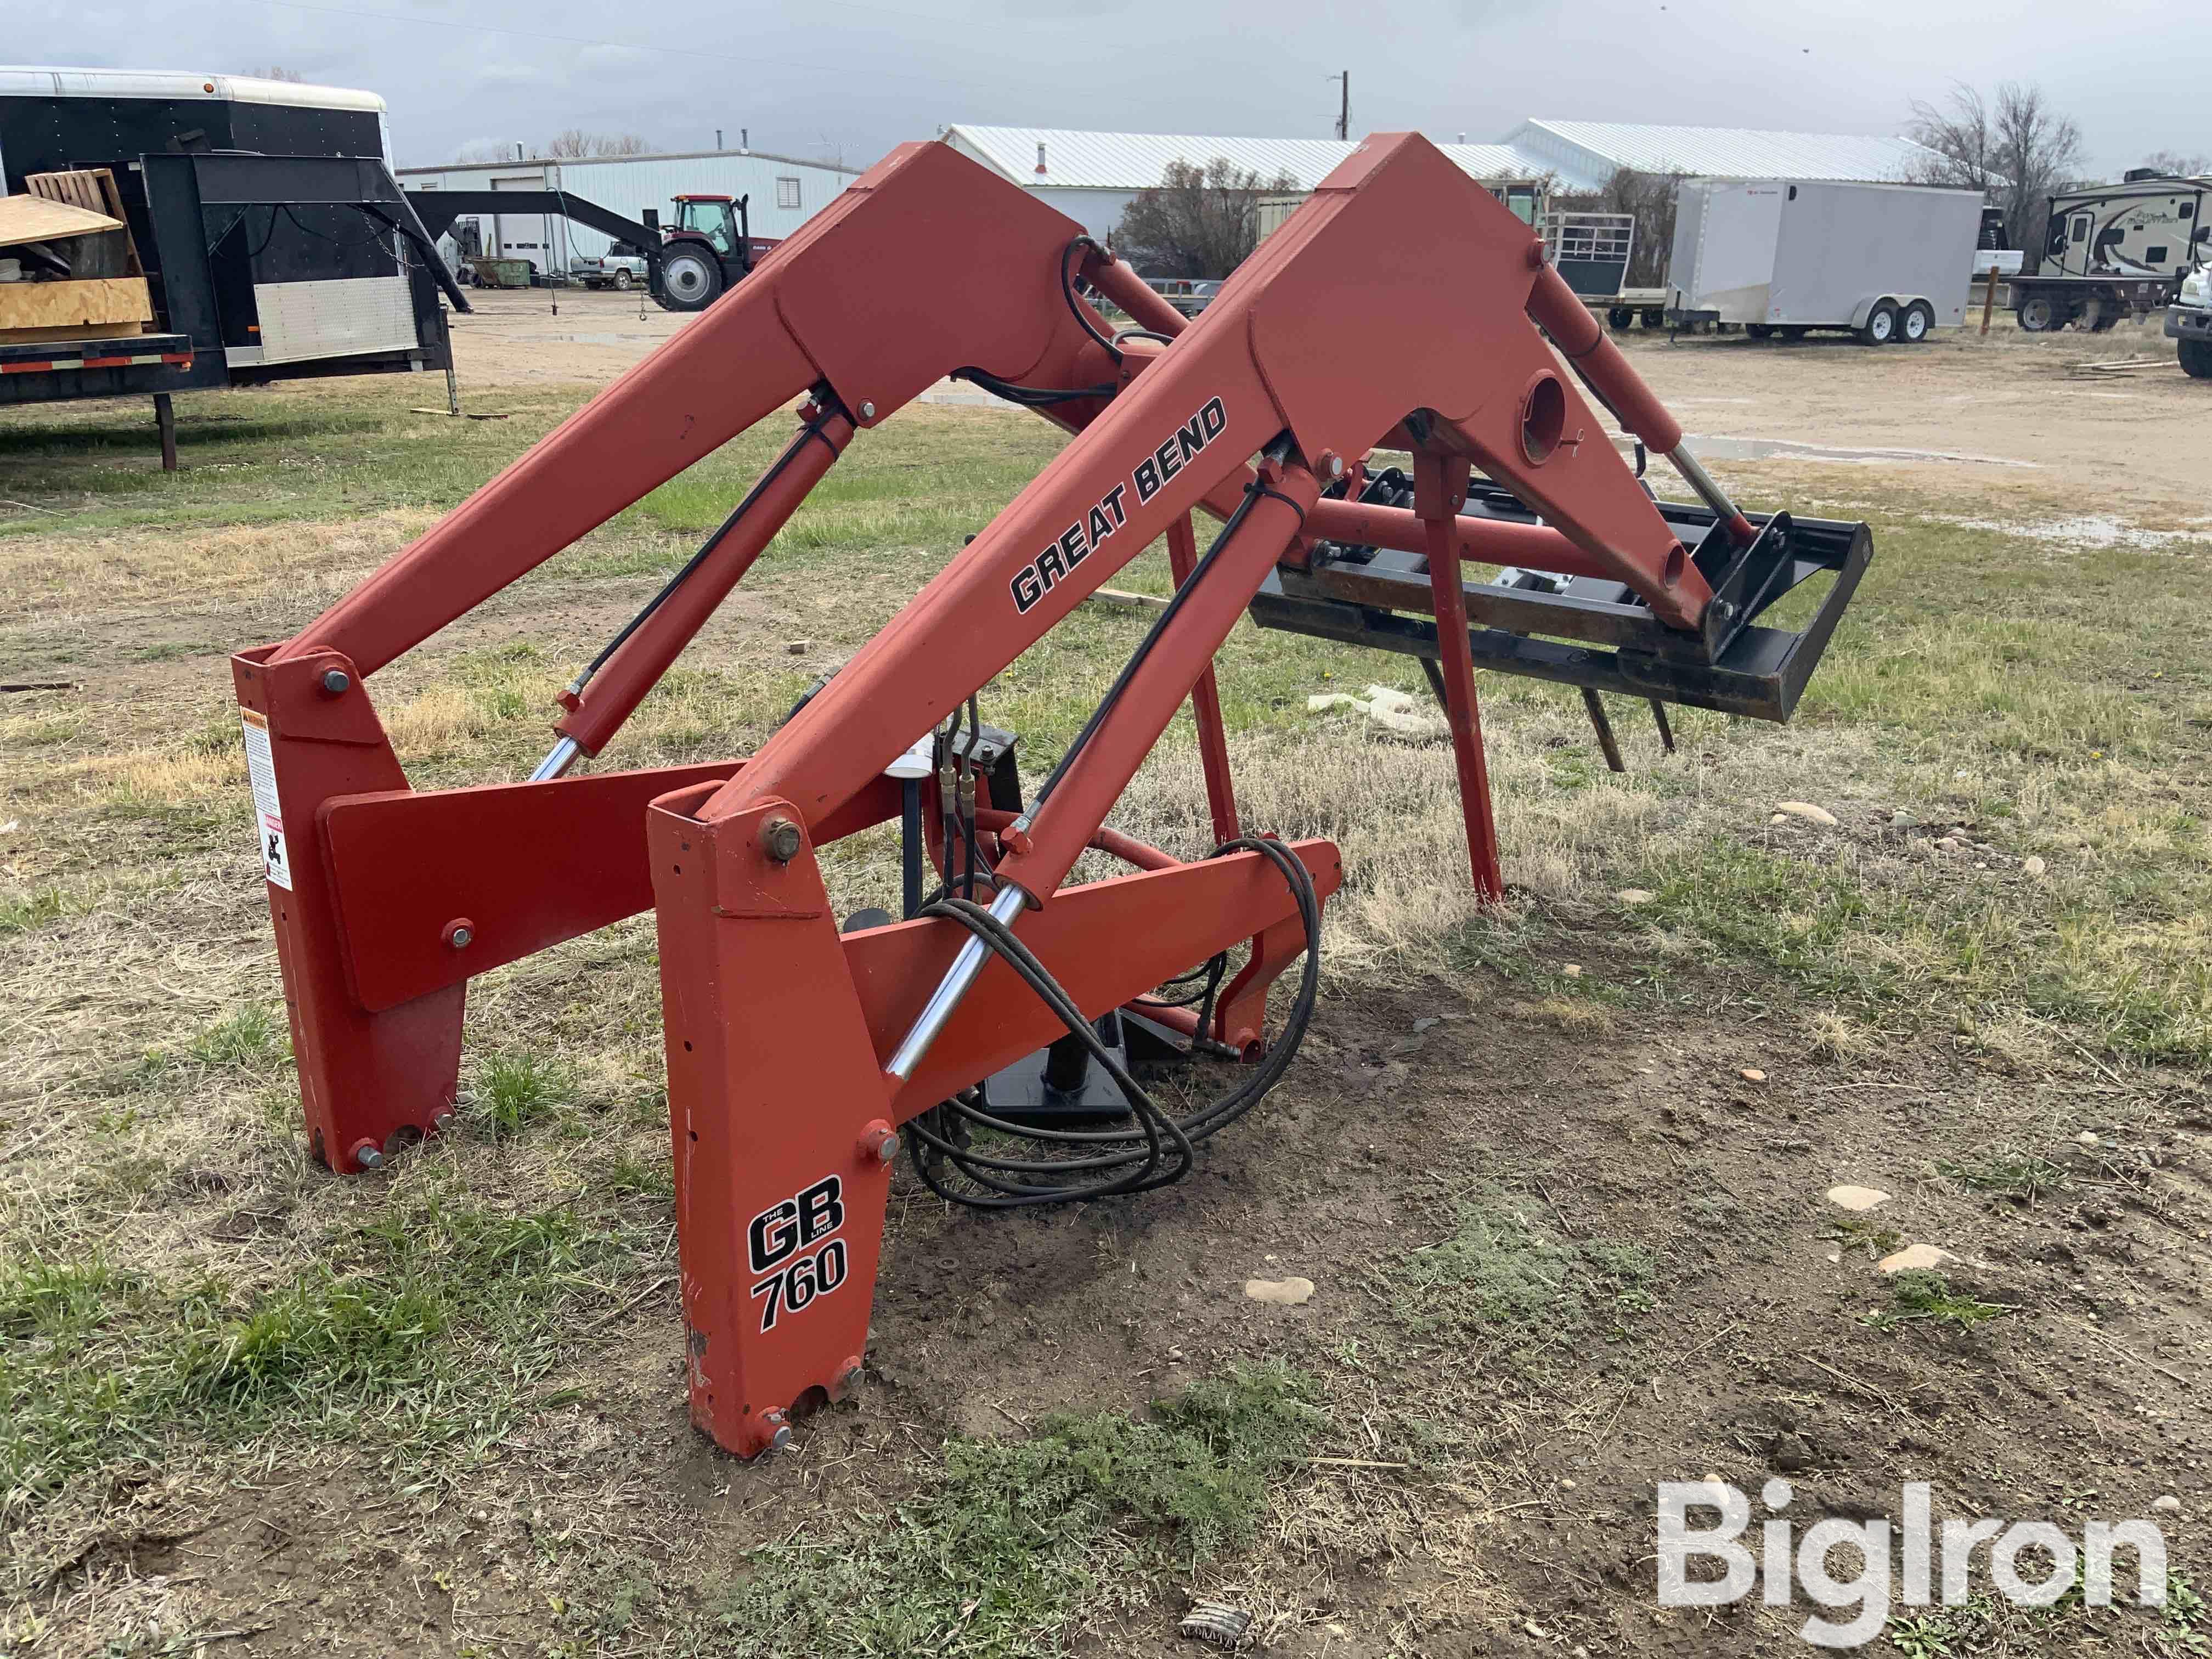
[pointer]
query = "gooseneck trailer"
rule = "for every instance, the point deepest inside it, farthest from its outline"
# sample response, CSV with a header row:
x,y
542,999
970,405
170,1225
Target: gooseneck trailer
x,y
274,241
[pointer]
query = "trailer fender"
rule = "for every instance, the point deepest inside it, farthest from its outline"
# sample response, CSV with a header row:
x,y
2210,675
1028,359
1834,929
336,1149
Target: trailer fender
x,y
1861,312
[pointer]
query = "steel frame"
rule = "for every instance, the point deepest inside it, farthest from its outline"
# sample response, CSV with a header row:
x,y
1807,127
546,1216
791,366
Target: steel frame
x,y
795,1051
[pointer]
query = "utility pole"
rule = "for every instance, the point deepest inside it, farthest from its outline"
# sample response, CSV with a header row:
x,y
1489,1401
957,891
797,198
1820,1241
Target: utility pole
x,y
1343,105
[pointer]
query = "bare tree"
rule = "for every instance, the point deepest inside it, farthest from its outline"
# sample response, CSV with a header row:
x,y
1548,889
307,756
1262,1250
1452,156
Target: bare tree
x,y
2182,164
576,143
276,74
487,149
2016,149
1198,221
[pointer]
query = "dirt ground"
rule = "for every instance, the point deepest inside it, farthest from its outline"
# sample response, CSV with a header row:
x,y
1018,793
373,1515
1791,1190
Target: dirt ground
x,y
1465,1498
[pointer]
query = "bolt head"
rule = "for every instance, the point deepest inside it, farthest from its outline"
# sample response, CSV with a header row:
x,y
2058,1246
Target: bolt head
x,y
443,1123
867,411
368,1155
337,682
780,838
463,938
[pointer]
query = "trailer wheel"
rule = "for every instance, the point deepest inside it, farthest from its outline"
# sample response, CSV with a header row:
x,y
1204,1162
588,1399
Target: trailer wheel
x,y
1880,325
690,278
1914,322
1655,317
622,280
2195,358
2039,314
1757,331
1790,331
1620,317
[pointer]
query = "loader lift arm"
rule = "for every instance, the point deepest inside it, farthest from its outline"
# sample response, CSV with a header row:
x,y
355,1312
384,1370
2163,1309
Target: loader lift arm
x,y
797,1053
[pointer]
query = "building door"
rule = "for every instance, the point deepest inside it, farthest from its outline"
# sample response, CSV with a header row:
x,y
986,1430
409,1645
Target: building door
x,y
521,235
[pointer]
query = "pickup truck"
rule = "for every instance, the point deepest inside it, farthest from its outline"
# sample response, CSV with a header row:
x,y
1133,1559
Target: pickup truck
x,y
2189,323
621,266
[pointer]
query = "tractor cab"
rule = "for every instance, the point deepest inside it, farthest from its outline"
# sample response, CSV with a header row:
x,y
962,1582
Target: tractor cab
x,y
708,248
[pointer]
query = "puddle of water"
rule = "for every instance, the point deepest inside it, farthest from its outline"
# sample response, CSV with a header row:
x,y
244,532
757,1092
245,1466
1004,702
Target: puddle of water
x,y
1715,446
2091,532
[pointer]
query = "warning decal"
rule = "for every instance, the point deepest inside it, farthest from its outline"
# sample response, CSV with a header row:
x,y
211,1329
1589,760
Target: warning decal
x,y
268,812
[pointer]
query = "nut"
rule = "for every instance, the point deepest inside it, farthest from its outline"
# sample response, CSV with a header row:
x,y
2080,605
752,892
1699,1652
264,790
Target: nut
x,y
779,1432
781,839
337,682
442,1122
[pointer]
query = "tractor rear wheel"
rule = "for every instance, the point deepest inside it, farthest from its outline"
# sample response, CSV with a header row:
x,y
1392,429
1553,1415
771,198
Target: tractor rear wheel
x,y
690,278
2195,358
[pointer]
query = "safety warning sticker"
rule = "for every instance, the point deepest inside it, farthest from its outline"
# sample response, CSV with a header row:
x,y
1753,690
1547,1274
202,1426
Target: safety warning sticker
x,y
268,812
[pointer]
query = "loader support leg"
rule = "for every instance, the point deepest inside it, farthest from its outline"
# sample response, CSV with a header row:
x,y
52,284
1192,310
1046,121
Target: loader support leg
x,y
1456,657
1206,702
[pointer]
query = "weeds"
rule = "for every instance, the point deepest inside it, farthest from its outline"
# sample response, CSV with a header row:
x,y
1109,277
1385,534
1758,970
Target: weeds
x,y
1915,1296
1016,1534
2005,1170
1502,1273
509,1091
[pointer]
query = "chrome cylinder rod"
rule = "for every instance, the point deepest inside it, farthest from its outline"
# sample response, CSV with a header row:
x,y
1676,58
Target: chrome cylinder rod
x,y
1709,492
558,759
952,988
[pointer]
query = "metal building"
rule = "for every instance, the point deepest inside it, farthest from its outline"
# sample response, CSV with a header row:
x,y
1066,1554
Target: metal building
x,y
1581,155
1093,177
784,192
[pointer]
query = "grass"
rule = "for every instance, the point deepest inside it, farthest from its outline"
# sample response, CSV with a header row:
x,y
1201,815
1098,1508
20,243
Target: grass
x,y
1015,1536
1503,1273
181,1291
1926,1295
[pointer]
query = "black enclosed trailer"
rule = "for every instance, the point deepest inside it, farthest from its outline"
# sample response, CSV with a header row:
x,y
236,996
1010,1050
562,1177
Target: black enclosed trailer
x,y
275,242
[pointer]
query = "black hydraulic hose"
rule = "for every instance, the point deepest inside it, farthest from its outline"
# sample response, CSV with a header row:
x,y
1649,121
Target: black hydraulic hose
x,y
1068,292
1158,1148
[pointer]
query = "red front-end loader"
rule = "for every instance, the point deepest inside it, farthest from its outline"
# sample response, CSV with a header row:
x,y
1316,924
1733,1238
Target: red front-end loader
x,y
1401,309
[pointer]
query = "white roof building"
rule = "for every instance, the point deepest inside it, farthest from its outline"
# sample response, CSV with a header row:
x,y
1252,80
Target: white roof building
x,y
1583,154
1093,177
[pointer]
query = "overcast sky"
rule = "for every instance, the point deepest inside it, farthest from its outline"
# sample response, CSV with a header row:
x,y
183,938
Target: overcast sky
x,y
849,78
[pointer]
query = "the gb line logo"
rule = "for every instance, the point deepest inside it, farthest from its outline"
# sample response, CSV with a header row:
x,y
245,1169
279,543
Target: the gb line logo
x,y
794,1259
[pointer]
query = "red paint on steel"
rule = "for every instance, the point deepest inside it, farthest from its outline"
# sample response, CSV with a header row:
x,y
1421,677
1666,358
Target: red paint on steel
x,y
1584,343
1481,541
611,695
1205,703
1434,490
363,1075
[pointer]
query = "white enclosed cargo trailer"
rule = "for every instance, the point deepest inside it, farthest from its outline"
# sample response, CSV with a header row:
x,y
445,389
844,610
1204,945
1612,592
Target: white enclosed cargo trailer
x,y
1888,262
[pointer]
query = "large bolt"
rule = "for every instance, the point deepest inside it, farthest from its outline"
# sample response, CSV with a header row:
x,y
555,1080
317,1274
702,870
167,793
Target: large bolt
x,y
879,1142
443,1123
867,411
368,1155
780,1436
337,682
848,1378
780,838
460,934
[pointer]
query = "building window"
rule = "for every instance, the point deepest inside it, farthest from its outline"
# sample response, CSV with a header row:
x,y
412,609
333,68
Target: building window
x,y
786,193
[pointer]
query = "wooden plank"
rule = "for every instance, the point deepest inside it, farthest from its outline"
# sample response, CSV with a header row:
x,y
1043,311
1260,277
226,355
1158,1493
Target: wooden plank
x,y
78,331
35,219
107,302
93,188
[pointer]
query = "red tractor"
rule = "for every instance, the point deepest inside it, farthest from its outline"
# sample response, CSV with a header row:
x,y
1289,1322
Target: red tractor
x,y
707,249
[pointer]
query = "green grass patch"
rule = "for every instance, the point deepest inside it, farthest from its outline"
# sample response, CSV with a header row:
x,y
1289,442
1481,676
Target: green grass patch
x,y
510,1090
1503,1274
1918,1295
2005,1170
1015,1535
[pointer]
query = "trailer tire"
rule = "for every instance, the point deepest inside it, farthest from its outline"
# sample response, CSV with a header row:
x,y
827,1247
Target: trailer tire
x,y
1914,322
2195,358
1880,325
1618,319
1792,332
1757,331
2039,314
1655,317
690,278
